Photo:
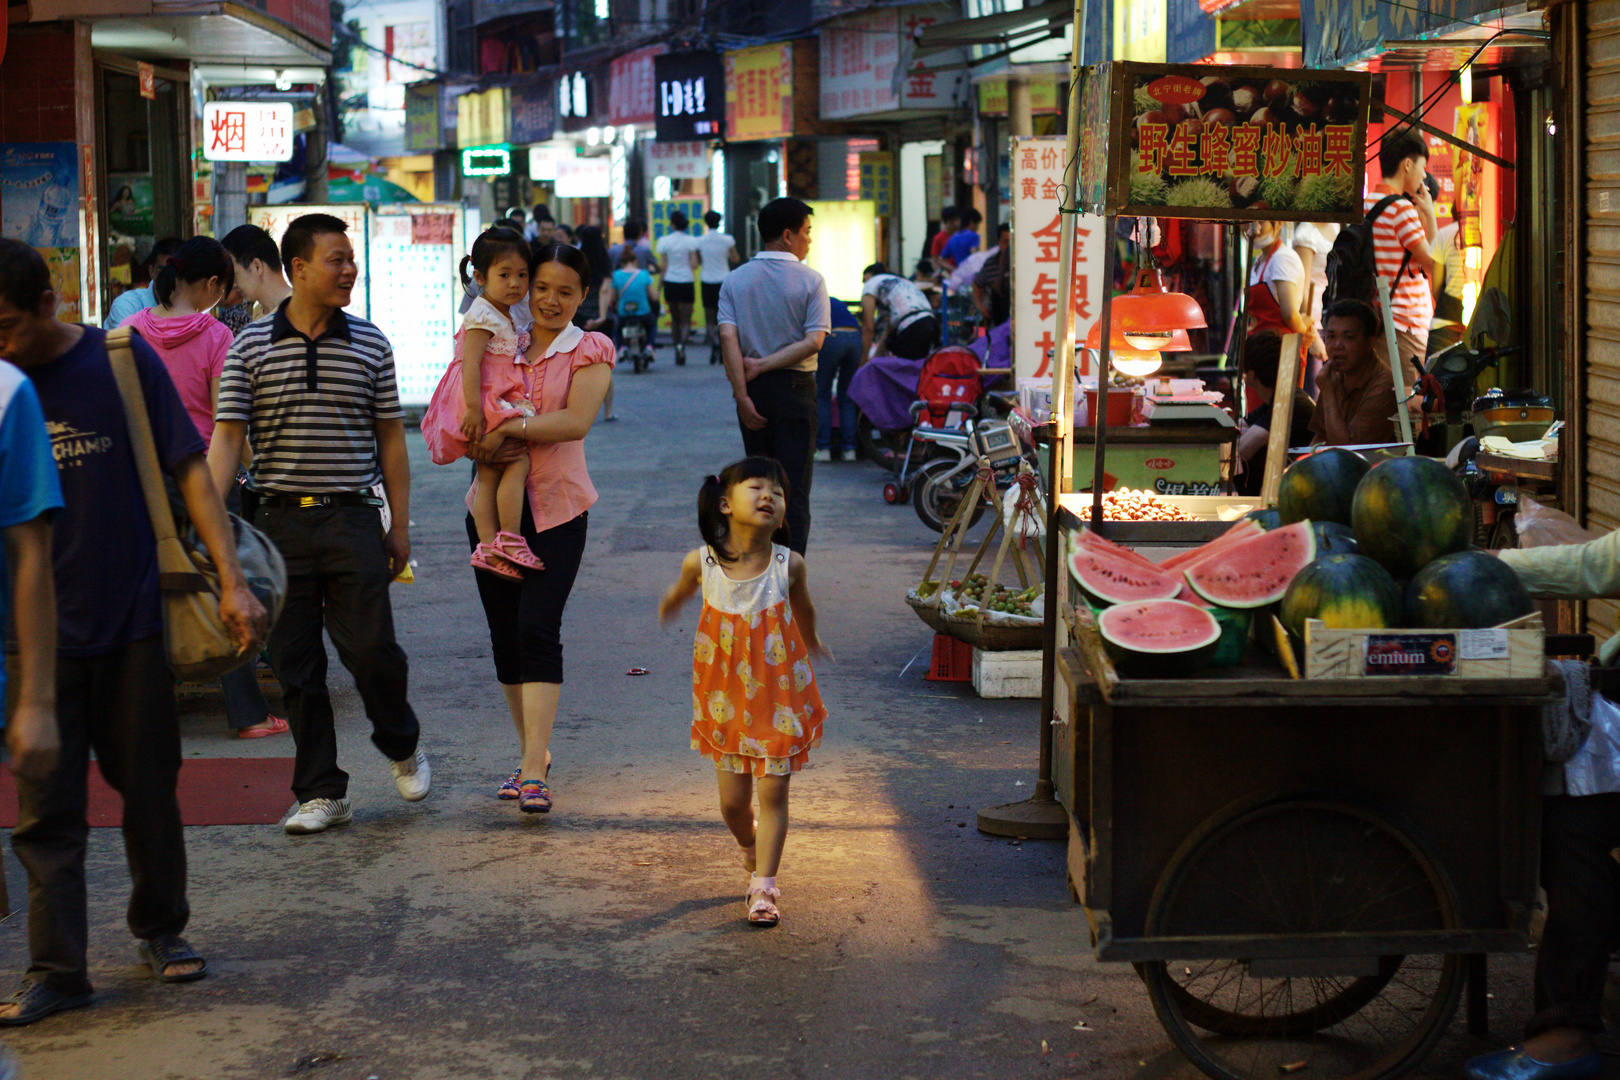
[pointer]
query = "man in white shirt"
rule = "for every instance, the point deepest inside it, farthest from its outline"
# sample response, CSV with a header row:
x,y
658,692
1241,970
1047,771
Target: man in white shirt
x,y
678,261
773,315
718,252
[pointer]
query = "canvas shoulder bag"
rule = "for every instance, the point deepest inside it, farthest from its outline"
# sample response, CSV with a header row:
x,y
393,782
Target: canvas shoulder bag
x,y
199,646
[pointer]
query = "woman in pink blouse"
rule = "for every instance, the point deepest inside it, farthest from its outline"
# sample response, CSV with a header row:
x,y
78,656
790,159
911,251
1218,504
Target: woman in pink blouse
x,y
567,373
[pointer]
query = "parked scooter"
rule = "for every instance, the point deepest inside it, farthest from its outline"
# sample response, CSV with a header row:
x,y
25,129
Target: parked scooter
x,y
941,483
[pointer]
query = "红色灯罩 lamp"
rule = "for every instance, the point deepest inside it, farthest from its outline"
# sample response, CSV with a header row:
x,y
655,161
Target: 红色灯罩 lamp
x,y
1150,317
1126,358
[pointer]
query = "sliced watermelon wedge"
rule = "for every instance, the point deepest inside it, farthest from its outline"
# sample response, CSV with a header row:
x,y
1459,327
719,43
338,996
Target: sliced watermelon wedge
x,y
1085,538
1255,571
1241,530
1158,638
1109,579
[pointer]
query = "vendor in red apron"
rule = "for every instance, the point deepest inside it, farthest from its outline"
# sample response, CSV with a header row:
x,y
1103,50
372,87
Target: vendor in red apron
x,y
1276,287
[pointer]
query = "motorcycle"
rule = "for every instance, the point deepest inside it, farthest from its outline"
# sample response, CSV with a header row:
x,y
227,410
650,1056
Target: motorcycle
x,y
999,445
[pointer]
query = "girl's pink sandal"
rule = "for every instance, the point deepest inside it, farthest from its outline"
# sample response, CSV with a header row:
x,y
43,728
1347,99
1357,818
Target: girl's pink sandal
x,y
762,894
514,549
484,557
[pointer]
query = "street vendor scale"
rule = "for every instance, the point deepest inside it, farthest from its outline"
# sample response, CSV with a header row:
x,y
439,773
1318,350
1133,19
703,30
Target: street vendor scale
x,y
1306,873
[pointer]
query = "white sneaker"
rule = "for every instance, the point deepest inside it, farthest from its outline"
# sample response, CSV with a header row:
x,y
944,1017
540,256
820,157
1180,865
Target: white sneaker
x,y
412,776
824,455
318,815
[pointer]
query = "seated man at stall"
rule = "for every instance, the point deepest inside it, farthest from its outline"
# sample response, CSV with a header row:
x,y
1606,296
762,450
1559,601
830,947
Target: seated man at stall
x,y
1261,355
1579,829
1355,400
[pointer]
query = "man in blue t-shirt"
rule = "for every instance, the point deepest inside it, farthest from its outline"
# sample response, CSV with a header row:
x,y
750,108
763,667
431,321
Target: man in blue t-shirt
x,y
965,241
114,691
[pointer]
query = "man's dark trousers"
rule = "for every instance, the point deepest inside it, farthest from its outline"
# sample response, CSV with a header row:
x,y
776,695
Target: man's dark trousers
x,y
121,705
1583,909
337,580
787,401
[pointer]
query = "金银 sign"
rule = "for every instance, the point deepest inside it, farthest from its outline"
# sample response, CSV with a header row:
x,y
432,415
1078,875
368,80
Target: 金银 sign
x,y
691,100
247,131
1244,144
1037,176
759,92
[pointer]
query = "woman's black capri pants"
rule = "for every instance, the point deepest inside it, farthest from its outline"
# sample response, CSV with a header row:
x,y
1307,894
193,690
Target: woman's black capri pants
x,y
525,617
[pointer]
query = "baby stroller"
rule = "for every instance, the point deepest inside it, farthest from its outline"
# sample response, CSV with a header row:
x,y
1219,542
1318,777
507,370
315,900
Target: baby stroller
x,y
948,390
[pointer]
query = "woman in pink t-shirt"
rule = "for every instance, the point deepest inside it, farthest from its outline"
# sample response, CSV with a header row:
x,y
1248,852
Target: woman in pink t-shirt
x,y
566,374
192,344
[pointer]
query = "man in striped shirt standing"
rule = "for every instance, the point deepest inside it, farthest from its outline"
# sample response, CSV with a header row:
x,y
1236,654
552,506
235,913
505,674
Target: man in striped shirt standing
x,y
1401,238
316,389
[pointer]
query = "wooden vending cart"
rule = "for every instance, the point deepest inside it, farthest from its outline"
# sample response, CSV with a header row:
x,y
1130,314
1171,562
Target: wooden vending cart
x,y
1305,872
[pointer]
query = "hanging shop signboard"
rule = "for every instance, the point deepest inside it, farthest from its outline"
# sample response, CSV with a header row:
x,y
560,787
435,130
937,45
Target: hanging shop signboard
x,y
487,160
1037,176
247,130
632,87
534,115
584,178
1247,144
689,98
679,160
868,65
877,180
422,117
759,92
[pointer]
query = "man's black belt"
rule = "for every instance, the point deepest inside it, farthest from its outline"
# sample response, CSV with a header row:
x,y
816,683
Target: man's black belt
x,y
305,502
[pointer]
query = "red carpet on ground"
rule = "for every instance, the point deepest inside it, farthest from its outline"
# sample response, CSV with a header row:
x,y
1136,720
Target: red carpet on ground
x,y
213,791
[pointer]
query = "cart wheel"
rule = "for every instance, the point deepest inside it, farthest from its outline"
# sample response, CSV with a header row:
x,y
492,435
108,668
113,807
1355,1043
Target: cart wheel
x,y
893,495
1302,866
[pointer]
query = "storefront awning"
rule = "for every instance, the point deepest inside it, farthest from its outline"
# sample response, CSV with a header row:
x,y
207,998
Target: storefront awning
x,y
223,35
1008,30
1413,37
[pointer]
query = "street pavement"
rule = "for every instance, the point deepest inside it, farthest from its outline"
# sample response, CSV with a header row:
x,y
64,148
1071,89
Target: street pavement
x,y
457,938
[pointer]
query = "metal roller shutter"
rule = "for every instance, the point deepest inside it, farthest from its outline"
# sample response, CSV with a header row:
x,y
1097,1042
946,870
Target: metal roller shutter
x,y
1601,478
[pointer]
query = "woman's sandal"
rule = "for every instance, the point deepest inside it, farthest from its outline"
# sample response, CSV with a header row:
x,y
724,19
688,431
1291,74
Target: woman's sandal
x,y
484,557
534,797
509,790
514,549
762,892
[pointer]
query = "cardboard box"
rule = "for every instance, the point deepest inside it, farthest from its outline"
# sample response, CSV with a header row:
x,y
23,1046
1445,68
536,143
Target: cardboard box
x,y
1514,650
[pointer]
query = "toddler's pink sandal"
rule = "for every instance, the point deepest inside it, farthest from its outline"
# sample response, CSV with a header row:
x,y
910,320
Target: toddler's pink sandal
x,y
762,894
514,549
485,558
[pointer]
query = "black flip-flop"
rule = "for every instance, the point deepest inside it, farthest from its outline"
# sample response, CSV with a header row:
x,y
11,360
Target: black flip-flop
x,y
35,1001
160,952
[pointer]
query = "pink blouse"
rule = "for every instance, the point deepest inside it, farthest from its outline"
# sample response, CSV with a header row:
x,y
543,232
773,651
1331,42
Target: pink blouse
x,y
560,489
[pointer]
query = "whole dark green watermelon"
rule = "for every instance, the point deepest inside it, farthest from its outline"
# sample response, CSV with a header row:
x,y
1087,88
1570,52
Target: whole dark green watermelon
x,y
1347,592
1321,486
1267,516
1468,590
1334,539
1409,511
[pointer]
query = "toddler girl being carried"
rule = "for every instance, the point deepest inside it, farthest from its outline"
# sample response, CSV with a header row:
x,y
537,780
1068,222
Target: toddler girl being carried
x,y
482,388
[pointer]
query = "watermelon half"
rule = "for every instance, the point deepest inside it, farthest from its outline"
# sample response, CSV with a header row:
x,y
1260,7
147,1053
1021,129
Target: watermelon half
x,y
1110,579
1256,571
1157,639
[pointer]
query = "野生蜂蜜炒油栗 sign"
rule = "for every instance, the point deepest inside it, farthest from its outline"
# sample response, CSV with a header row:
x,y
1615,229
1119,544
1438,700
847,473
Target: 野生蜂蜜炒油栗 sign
x,y
1234,144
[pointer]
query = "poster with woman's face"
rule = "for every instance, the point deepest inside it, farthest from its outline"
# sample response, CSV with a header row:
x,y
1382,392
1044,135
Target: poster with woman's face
x,y
129,203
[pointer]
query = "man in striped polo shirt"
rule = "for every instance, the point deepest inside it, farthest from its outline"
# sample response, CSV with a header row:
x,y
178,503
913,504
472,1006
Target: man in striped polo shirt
x,y
1401,237
316,389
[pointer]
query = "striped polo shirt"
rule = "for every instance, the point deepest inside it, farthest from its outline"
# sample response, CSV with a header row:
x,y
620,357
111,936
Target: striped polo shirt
x,y
311,405
1395,232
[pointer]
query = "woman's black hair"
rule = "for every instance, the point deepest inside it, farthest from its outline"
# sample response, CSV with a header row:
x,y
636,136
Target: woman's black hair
x,y
492,243
714,525
596,252
200,258
678,221
569,256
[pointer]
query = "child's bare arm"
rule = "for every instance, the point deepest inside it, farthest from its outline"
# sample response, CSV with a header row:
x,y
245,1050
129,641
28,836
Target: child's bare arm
x,y
684,588
473,344
804,609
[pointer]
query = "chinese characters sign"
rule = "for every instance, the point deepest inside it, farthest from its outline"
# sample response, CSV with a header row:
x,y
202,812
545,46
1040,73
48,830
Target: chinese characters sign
x,y
1037,176
866,64
877,180
584,178
1250,143
682,160
533,114
689,97
759,92
247,130
632,95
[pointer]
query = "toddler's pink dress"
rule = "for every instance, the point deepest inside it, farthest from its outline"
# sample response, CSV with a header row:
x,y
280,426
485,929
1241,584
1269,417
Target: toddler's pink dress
x,y
501,384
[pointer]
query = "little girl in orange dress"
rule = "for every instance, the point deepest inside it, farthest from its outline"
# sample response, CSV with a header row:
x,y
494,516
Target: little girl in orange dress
x,y
755,707
483,388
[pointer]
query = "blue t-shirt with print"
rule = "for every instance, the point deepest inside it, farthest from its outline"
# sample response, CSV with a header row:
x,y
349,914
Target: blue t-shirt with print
x,y
28,483
632,289
105,554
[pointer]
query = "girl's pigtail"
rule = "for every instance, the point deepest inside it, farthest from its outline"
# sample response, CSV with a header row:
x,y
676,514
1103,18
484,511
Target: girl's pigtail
x,y
712,523
466,273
